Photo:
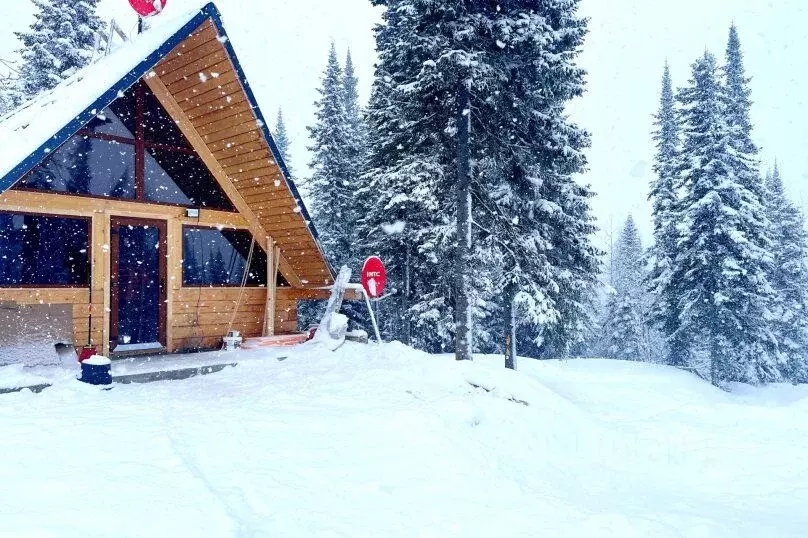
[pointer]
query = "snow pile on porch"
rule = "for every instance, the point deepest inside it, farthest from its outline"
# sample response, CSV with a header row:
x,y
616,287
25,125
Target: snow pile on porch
x,y
387,441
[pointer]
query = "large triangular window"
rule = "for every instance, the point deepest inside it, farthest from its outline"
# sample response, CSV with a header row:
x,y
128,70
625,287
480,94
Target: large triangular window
x,y
131,150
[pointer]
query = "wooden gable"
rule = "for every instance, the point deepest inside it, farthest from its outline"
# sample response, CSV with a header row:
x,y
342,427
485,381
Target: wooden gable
x,y
200,86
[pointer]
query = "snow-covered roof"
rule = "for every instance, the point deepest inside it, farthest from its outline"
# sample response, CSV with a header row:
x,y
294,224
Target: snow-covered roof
x,y
30,133
39,122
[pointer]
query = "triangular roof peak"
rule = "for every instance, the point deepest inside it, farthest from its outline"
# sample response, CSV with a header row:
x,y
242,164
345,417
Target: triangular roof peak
x,y
256,167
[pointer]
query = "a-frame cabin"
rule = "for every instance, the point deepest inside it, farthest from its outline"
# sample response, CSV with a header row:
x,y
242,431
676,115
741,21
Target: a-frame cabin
x,y
136,191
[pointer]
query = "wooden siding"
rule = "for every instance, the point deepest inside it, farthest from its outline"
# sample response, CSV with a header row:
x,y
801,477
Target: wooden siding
x,y
191,312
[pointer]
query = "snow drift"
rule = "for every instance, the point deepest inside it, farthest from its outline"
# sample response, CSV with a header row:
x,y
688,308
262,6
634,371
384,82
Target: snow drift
x,y
386,441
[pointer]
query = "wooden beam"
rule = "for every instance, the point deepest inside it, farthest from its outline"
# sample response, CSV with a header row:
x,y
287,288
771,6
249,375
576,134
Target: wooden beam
x,y
313,294
187,127
273,259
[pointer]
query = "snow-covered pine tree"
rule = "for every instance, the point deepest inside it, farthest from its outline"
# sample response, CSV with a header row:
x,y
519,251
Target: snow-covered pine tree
x,y
664,307
719,273
61,40
624,332
353,109
527,199
404,220
331,187
789,278
281,136
430,54
10,93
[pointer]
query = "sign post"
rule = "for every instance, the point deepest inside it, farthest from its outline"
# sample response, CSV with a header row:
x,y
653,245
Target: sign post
x,y
374,279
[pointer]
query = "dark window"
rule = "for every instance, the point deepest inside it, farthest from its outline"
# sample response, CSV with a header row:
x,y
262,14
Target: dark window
x,y
214,257
181,178
109,123
37,250
158,126
86,165
101,159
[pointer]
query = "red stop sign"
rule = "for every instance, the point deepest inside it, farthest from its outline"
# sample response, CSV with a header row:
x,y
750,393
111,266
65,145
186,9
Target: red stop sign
x,y
374,277
147,8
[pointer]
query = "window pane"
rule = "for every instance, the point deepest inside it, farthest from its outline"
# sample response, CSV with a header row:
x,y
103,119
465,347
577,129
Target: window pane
x,y
182,178
214,257
107,122
125,108
85,165
158,126
46,251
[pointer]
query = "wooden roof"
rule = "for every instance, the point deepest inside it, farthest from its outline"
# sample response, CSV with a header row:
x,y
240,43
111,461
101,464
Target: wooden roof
x,y
200,86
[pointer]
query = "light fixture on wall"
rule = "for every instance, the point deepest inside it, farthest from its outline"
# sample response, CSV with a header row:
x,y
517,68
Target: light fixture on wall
x,y
192,213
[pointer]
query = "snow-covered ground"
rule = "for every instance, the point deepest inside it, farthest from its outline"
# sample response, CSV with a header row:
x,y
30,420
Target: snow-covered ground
x,y
383,442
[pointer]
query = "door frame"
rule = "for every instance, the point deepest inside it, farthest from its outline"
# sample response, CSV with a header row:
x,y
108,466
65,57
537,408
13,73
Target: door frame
x,y
162,227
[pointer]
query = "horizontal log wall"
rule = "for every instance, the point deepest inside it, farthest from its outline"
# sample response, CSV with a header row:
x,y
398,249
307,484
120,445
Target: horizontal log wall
x,y
286,311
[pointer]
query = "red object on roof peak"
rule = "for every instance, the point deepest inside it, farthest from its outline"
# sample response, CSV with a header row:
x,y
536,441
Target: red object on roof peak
x,y
147,8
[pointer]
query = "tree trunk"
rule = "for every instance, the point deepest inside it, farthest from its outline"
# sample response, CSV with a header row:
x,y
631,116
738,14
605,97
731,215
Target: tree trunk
x,y
510,327
407,293
463,328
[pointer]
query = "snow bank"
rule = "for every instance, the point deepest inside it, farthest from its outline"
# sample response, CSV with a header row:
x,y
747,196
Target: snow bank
x,y
387,441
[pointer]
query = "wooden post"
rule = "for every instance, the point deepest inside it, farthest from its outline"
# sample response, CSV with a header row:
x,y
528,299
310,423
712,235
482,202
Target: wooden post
x,y
273,263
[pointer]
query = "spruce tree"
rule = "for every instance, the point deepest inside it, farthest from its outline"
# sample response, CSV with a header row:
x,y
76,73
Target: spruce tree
x,y
664,308
282,141
350,84
528,200
789,278
624,334
61,40
332,184
458,120
719,274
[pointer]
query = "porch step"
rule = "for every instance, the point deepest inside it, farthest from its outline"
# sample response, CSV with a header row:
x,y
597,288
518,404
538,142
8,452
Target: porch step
x,y
284,340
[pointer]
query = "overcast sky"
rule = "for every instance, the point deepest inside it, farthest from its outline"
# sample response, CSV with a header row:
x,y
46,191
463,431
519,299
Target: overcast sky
x,y
283,46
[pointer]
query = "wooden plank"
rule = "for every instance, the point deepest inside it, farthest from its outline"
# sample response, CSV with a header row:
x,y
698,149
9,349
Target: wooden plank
x,y
266,171
266,191
258,163
192,68
251,136
202,114
210,98
303,294
201,82
214,307
60,204
215,318
242,114
247,328
191,89
45,296
209,121
240,149
235,129
197,72
246,159
201,43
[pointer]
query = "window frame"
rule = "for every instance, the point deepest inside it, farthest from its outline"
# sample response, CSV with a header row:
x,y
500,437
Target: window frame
x,y
88,222
140,144
216,228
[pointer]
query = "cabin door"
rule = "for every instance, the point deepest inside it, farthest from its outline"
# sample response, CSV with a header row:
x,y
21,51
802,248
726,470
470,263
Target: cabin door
x,y
137,285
